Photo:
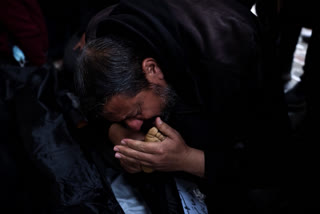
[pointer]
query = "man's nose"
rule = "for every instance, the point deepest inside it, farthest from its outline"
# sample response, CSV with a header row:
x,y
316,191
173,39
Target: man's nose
x,y
134,124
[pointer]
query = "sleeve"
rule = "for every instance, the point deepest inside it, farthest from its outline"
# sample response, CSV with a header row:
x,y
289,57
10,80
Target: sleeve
x,y
241,108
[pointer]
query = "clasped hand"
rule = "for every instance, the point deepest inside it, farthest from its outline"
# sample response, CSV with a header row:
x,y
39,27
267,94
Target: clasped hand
x,y
169,155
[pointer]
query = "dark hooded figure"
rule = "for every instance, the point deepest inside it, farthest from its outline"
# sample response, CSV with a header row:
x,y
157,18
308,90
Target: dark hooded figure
x,y
197,71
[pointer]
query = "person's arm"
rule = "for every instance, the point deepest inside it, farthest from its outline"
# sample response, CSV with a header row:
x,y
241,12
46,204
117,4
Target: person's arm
x,y
172,154
195,163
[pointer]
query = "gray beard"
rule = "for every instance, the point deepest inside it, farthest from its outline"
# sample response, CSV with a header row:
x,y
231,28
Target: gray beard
x,y
169,97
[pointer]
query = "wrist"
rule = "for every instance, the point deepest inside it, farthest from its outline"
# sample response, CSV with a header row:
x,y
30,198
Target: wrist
x,y
194,162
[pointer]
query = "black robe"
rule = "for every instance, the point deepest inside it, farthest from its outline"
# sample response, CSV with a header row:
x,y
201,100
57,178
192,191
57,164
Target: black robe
x,y
231,101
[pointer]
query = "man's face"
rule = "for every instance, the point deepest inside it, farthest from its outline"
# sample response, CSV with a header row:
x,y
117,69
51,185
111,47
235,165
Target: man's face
x,y
134,111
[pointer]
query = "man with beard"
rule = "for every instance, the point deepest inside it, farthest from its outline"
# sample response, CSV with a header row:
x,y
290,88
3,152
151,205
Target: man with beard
x,y
197,73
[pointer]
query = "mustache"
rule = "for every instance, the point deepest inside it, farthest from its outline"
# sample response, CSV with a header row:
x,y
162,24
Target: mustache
x,y
170,100
169,97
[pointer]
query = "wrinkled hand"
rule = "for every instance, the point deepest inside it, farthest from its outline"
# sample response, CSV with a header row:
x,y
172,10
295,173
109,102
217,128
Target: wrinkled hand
x,y
116,133
130,165
168,155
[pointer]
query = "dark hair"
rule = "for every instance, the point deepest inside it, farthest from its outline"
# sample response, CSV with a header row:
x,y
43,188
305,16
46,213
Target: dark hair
x,y
109,66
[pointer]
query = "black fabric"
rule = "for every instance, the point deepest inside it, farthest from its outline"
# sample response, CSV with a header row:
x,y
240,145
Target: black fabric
x,y
64,20
48,165
47,161
215,57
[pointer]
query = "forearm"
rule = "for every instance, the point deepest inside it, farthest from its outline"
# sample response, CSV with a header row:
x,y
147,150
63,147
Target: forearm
x,y
195,162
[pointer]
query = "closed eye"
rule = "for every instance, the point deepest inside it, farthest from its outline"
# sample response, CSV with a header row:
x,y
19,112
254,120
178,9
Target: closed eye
x,y
139,109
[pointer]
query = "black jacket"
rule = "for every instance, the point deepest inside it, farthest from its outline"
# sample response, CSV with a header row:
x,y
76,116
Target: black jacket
x,y
49,165
211,52
214,56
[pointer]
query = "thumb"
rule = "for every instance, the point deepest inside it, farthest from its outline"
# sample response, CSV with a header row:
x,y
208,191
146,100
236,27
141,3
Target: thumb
x,y
164,128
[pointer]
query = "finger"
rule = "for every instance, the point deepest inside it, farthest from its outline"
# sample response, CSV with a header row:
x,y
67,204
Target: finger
x,y
130,161
165,128
141,146
133,156
130,168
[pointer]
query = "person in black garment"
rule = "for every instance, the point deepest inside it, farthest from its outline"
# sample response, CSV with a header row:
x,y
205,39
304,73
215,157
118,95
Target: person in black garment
x,y
196,72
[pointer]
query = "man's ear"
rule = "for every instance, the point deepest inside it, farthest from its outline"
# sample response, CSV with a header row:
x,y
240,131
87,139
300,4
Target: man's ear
x,y
153,72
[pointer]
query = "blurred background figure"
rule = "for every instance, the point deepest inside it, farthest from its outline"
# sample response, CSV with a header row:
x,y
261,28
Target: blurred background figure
x,y
23,43
293,27
22,25
33,86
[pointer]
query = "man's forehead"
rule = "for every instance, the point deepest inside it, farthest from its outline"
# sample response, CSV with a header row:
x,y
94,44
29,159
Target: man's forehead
x,y
118,107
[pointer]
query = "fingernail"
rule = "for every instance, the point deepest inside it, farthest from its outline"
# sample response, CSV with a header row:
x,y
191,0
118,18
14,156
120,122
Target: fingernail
x,y
159,120
117,155
123,142
116,149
